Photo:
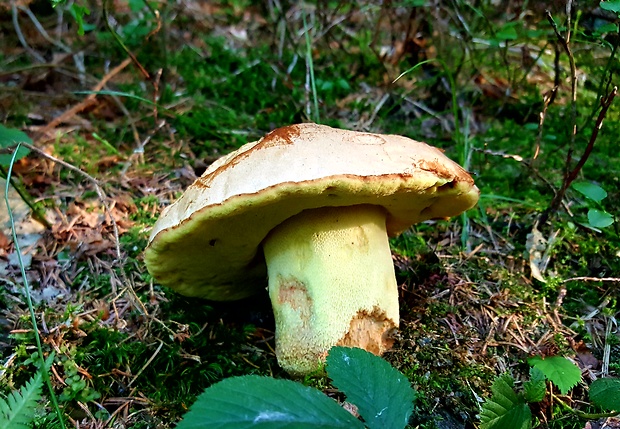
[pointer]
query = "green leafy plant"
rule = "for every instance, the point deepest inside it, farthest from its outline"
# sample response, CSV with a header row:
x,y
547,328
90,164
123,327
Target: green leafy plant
x,y
605,392
509,409
77,388
597,217
611,5
78,11
17,410
558,370
506,409
383,396
9,137
535,388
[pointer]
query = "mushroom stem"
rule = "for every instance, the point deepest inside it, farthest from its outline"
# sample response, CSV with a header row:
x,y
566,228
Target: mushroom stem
x,y
331,282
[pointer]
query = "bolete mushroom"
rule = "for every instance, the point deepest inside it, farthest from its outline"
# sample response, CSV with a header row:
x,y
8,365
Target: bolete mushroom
x,y
310,208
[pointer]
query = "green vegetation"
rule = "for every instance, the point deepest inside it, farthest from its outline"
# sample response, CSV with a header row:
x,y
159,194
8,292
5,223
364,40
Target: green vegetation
x,y
381,395
143,95
509,409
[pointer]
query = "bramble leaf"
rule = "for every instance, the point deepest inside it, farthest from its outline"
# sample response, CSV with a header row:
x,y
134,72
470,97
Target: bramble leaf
x,y
535,388
505,409
384,397
605,392
262,402
559,370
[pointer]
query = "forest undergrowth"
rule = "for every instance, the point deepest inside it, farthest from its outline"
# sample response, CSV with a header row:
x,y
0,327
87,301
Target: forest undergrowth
x,y
120,105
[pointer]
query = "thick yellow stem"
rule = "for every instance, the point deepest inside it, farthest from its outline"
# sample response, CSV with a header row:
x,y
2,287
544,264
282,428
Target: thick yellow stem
x,y
331,282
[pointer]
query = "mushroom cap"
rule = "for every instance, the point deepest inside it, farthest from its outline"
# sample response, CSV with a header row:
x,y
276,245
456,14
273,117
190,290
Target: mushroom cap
x,y
208,243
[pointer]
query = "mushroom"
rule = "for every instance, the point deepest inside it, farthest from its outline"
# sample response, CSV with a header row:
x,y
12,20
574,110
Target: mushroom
x,y
311,208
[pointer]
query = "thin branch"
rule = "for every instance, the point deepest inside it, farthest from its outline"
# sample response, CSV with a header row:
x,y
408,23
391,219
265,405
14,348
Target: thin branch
x,y
87,102
106,18
148,362
548,98
33,67
42,30
571,175
605,103
565,42
593,279
21,37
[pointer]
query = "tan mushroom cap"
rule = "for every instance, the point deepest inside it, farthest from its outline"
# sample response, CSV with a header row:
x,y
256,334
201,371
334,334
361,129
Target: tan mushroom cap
x,y
208,243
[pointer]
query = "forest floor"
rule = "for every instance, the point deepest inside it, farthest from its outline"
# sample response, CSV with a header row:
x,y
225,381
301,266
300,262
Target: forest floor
x,y
120,120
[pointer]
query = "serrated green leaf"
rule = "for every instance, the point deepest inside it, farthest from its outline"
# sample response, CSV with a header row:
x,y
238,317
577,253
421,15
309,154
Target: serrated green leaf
x,y
9,137
605,392
612,5
505,409
559,370
265,403
17,411
517,417
591,190
535,388
503,392
599,218
384,397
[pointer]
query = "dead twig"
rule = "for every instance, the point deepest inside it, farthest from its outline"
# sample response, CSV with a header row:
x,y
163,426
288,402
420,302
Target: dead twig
x,y
106,18
571,175
565,43
21,37
547,100
605,103
84,104
593,279
148,362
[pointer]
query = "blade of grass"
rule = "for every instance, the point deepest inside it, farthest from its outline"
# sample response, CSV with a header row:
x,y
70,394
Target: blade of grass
x,y
508,199
128,95
33,318
460,138
465,162
455,106
310,65
37,211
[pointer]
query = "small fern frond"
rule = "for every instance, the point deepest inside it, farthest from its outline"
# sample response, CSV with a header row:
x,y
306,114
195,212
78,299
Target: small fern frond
x,y
17,411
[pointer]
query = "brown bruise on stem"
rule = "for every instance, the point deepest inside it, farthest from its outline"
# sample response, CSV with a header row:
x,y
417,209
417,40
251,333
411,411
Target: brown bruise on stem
x,y
373,332
295,295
